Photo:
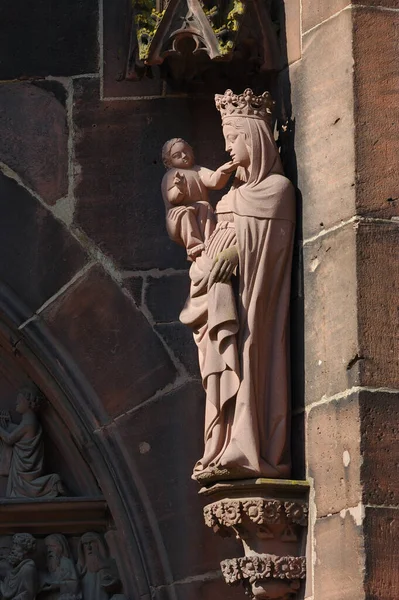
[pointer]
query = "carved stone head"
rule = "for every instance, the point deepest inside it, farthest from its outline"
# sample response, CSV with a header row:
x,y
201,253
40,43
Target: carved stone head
x,y
29,398
178,154
93,553
56,548
236,142
22,546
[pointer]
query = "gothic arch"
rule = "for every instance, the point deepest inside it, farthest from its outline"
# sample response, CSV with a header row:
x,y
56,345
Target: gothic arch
x,y
39,357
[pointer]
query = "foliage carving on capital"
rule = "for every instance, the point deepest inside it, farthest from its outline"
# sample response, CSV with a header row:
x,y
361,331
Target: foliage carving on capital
x,y
297,512
263,566
289,567
260,511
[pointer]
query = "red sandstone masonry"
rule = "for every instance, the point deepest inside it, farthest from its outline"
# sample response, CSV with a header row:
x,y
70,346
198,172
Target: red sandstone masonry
x,y
347,148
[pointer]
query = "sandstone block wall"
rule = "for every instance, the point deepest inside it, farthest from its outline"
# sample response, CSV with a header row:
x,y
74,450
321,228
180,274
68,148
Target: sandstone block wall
x,y
85,251
346,145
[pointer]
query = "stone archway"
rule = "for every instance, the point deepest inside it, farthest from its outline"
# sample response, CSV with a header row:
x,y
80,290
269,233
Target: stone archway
x,y
93,466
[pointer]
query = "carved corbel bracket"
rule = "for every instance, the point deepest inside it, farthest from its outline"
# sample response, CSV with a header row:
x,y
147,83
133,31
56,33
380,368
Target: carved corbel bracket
x,y
270,518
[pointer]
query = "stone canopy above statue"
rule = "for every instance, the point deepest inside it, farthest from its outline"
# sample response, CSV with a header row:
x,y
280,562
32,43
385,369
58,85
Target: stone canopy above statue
x,y
188,36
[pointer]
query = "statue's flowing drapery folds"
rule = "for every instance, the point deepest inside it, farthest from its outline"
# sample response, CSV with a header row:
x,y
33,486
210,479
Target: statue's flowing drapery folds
x,y
22,452
26,475
241,326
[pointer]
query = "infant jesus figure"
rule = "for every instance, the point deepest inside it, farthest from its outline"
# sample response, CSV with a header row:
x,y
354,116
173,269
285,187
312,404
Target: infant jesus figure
x,y
190,219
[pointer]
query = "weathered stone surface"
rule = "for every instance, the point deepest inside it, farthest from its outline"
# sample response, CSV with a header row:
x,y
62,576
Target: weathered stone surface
x,y
333,453
381,528
135,287
208,589
379,415
112,342
34,136
331,337
297,354
53,87
38,255
375,137
315,12
339,568
48,38
378,296
377,3
377,111
298,444
164,439
165,296
290,32
119,202
180,340
116,31
322,99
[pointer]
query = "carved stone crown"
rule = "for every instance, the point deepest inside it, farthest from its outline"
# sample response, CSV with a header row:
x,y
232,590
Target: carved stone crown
x,y
245,105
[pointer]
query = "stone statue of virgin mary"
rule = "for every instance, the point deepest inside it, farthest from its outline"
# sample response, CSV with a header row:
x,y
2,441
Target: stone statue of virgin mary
x,y
238,305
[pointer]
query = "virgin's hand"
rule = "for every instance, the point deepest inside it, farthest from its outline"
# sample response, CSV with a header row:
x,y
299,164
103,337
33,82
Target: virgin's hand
x,y
223,266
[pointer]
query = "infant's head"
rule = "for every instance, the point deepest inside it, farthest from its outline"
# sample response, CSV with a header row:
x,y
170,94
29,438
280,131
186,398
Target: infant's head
x,y
178,154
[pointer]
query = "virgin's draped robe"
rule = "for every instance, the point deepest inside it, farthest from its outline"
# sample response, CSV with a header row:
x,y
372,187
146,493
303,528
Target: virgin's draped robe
x,y
242,339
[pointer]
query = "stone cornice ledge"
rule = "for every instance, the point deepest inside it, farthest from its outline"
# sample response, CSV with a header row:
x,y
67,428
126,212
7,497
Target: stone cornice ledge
x,y
59,515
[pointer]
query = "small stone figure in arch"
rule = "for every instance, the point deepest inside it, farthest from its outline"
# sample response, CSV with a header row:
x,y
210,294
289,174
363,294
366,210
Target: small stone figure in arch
x,y
21,582
61,573
98,572
190,219
24,464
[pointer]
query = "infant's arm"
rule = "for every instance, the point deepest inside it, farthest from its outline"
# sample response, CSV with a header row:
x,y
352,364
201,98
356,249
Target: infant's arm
x,y
214,180
173,194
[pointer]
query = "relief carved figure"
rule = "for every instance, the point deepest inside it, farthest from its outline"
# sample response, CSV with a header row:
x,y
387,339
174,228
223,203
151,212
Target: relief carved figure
x,y
21,581
98,572
5,544
190,219
239,302
61,576
46,569
22,454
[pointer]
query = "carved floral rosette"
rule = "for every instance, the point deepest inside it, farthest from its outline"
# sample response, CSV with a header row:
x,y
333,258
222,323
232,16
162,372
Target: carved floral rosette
x,y
263,566
227,513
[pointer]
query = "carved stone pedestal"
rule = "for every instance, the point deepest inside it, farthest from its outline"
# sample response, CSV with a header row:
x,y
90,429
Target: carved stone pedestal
x,y
270,518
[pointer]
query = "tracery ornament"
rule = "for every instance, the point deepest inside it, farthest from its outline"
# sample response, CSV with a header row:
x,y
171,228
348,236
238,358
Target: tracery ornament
x,y
214,28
